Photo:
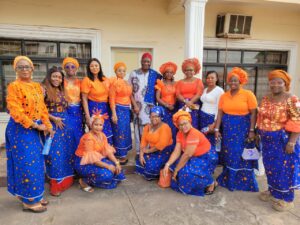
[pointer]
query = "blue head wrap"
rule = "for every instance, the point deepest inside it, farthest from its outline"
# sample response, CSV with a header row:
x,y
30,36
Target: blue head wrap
x,y
158,110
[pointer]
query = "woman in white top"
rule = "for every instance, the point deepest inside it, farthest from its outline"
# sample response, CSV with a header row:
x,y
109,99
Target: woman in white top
x,y
208,115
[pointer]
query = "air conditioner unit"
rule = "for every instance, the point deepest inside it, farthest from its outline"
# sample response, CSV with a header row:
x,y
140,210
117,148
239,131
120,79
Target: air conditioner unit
x,y
233,25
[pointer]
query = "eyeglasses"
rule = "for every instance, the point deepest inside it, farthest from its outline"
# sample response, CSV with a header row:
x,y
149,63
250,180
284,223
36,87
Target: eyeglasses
x,y
26,68
70,67
189,70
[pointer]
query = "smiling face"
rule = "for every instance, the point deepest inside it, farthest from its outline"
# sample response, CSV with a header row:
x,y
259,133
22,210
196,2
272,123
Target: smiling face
x,y
277,85
168,75
189,71
155,119
121,72
234,83
94,67
184,126
97,125
56,79
24,70
70,69
146,63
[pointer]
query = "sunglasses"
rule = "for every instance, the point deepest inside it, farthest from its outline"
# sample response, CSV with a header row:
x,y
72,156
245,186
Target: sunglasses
x,y
70,67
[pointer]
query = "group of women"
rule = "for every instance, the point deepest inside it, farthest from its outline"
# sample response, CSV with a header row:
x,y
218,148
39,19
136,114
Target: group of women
x,y
185,128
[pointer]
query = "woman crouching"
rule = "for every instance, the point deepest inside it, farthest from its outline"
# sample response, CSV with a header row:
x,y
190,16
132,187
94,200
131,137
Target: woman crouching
x,y
94,159
190,161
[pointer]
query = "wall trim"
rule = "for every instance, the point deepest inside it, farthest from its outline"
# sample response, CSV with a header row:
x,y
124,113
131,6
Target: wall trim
x,y
252,44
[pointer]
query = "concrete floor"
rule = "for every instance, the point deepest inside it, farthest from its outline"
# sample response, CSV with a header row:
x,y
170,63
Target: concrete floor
x,y
137,201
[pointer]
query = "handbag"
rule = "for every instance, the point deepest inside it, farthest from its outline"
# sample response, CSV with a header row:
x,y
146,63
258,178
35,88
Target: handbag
x,y
250,151
164,181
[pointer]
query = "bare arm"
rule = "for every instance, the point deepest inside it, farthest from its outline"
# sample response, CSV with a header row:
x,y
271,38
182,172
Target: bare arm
x,y
86,108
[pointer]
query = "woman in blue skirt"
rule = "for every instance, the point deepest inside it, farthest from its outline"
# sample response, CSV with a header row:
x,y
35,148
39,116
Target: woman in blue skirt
x,y
119,99
29,118
237,112
59,162
95,91
190,160
278,122
156,145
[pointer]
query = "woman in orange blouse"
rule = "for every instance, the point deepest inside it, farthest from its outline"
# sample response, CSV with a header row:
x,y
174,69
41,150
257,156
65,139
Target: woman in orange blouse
x,y
156,145
94,159
119,98
94,90
166,94
237,112
29,118
190,89
190,160
278,122
72,92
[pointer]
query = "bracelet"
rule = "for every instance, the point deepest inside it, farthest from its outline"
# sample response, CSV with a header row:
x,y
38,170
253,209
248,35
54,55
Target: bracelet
x,y
117,163
292,144
168,164
252,130
216,129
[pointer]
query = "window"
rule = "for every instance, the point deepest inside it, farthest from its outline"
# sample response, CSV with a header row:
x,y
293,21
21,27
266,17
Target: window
x,y
44,55
257,64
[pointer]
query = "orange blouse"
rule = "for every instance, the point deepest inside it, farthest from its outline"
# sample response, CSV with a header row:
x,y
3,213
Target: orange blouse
x,y
239,104
119,92
281,115
160,138
72,91
168,92
194,137
89,142
189,89
96,90
25,103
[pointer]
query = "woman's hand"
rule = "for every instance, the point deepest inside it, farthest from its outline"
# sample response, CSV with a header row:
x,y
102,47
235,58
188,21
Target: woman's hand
x,y
136,109
114,118
142,159
174,177
211,128
188,104
218,135
118,169
166,170
88,121
251,135
111,168
59,122
290,148
41,127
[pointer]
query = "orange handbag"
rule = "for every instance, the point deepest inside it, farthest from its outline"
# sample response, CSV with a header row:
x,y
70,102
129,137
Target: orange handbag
x,y
164,181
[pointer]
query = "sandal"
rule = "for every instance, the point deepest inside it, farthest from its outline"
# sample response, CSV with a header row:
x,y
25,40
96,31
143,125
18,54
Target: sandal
x,y
38,208
282,205
208,192
44,202
266,196
123,162
85,187
55,194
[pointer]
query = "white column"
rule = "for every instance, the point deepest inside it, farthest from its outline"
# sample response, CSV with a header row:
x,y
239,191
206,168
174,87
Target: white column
x,y
194,28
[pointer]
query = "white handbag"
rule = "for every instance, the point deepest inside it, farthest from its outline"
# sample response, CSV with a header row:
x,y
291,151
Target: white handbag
x,y
250,154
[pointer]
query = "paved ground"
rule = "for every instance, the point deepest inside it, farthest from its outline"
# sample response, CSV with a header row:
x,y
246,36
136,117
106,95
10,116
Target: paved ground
x,y
137,201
